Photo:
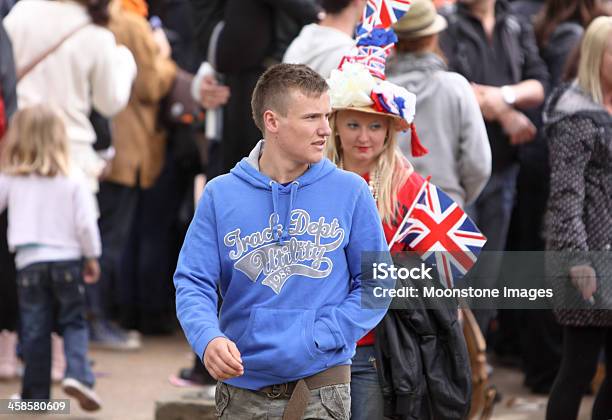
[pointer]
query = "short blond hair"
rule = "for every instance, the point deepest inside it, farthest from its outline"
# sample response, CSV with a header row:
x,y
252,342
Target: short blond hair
x,y
593,47
36,143
275,85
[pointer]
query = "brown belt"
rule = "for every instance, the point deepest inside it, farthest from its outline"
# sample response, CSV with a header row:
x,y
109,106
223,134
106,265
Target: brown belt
x,y
298,391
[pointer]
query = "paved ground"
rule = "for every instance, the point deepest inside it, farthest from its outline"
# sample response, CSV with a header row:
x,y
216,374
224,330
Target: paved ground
x,y
519,404
130,383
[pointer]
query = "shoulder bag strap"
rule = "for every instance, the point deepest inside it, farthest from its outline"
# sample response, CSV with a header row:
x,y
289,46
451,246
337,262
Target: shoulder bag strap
x,y
27,69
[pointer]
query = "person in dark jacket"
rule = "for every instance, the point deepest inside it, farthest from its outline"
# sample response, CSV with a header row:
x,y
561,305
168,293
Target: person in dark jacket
x,y
436,384
579,132
526,7
240,39
495,51
559,26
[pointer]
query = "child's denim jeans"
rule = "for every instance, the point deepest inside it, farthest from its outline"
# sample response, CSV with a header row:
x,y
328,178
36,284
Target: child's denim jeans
x,y
52,295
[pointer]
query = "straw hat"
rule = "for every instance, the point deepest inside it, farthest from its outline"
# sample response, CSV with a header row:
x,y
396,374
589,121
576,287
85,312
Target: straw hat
x,y
354,88
400,123
422,20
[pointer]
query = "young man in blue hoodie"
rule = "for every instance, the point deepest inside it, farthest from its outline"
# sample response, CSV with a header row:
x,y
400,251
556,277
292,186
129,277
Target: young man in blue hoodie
x,y
282,238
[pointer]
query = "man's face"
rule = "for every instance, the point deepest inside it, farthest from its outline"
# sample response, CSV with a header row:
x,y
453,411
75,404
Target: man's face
x,y
301,134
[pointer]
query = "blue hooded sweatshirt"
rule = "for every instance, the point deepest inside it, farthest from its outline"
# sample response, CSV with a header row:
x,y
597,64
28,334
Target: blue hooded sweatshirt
x,y
287,261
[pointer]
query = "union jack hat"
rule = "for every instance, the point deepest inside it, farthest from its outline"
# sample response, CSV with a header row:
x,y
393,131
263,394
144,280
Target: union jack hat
x,y
359,82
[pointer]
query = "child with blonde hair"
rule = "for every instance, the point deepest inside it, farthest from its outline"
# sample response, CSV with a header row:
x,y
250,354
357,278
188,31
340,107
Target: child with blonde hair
x,y
52,228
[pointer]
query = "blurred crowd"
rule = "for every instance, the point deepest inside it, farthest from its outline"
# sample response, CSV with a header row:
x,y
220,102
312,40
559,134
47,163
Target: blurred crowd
x,y
152,97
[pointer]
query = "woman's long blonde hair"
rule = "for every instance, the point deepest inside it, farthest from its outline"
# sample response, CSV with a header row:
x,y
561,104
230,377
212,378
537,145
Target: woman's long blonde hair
x,y
593,47
35,143
393,169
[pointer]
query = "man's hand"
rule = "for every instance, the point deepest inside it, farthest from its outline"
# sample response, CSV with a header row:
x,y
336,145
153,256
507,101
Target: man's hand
x,y
491,101
222,359
518,127
584,279
212,93
91,271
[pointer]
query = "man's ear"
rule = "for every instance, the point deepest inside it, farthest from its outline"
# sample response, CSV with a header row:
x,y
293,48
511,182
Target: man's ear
x,y
270,120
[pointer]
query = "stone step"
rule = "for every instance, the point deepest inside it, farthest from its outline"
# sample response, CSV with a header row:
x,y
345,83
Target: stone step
x,y
198,405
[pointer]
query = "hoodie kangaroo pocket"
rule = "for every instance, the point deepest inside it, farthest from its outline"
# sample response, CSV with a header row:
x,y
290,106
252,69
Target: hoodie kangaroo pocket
x,y
278,341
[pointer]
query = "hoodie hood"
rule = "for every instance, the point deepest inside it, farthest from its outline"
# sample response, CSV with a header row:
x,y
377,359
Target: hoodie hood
x,y
248,170
319,47
321,41
569,101
414,71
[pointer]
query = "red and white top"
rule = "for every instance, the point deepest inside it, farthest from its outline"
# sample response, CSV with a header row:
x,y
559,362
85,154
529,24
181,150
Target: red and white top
x,y
406,196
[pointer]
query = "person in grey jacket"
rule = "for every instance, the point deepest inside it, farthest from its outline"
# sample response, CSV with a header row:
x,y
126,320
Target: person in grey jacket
x,y
448,117
321,46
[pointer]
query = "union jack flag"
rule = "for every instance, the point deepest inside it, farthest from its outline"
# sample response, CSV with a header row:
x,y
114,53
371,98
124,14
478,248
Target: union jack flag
x,y
374,58
440,232
383,13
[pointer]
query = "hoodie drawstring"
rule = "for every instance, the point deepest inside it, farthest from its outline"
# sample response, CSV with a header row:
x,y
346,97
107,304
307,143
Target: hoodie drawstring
x,y
276,234
281,235
292,194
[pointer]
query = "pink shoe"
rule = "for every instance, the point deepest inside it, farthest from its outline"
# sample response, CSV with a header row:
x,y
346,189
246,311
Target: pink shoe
x,y
58,359
8,355
87,398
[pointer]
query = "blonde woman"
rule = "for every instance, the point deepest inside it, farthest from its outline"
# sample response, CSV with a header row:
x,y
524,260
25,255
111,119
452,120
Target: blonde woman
x,y
363,140
56,249
579,133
